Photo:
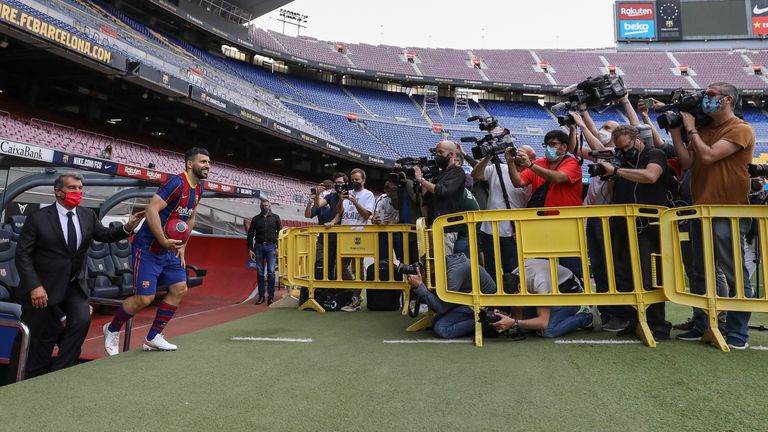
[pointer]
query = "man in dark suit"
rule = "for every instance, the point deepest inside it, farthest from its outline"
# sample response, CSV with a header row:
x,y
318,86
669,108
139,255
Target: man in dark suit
x,y
50,259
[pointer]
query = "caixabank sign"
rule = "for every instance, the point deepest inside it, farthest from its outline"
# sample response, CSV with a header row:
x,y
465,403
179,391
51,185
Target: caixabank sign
x,y
636,21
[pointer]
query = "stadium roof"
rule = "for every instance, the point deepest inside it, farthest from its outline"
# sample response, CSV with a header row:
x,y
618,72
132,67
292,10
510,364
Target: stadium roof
x,y
259,7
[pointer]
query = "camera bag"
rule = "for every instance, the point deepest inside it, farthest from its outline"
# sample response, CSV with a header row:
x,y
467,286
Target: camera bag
x,y
382,300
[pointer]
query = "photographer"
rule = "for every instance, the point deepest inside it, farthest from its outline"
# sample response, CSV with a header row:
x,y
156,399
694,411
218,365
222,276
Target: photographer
x,y
480,188
446,195
515,198
718,154
555,179
642,178
547,321
452,320
326,213
326,201
355,208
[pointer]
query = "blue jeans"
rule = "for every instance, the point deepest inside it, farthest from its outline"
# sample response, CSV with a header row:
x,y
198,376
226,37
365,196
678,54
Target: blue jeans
x,y
451,320
737,323
508,249
565,319
266,252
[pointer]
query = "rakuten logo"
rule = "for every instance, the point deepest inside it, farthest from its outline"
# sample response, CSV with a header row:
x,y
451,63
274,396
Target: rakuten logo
x,y
639,11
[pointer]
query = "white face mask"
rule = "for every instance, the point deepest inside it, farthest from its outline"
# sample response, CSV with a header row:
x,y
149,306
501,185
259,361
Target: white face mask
x,y
604,136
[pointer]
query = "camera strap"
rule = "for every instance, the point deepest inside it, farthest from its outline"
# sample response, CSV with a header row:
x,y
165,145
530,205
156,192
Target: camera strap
x,y
497,164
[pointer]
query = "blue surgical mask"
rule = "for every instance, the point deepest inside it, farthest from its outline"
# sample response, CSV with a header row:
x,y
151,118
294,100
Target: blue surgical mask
x,y
709,104
550,153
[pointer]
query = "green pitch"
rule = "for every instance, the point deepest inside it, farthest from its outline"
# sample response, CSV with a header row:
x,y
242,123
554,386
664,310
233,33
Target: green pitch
x,y
348,379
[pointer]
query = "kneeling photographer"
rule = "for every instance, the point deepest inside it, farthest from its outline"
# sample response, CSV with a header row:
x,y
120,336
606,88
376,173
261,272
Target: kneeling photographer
x,y
452,320
640,176
445,194
547,321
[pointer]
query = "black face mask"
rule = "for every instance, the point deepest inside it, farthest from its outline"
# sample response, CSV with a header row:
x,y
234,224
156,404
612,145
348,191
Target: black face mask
x,y
357,186
629,155
441,161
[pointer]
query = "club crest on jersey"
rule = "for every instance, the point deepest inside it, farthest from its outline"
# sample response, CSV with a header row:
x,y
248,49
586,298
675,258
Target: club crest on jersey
x,y
183,211
145,284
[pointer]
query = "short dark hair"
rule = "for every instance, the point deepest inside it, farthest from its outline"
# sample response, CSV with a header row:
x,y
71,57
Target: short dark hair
x,y
194,151
59,182
328,184
625,130
556,133
264,200
342,175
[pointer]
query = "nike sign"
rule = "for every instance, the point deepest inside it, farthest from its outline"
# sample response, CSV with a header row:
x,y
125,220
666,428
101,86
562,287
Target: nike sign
x,y
758,11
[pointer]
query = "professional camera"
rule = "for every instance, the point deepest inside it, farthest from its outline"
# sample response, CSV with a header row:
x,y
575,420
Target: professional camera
x,y
757,170
429,169
412,269
595,91
487,316
565,120
487,124
596,170
341,188
491,144
682,101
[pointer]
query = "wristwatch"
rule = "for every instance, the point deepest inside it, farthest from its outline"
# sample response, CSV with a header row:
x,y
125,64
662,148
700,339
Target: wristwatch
x,y
516,325
616,171
531,165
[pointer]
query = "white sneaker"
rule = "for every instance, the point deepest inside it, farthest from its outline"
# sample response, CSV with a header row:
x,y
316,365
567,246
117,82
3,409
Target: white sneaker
x,y
353,306
158,344
111,341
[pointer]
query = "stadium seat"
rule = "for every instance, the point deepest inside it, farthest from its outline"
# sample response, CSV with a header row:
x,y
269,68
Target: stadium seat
x,y
9,276
10,328
120,253
15,225
101,271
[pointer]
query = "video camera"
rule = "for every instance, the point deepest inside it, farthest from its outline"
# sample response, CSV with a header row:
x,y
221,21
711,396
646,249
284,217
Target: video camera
x,y
600,90
429,169
609,156
490,144
757,170
682,101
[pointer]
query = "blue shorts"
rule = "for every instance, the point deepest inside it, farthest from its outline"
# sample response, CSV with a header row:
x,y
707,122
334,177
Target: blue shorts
x,y
151,269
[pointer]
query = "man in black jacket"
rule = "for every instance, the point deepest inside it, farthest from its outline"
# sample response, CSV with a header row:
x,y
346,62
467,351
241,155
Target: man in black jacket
x,y
262,246
50,258
446,194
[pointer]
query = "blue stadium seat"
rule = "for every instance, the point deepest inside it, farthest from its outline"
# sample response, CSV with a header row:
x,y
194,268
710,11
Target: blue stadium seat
x,y
11,328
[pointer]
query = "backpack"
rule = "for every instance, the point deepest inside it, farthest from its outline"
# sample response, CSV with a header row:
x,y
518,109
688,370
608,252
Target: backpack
x,y
330,299
382,300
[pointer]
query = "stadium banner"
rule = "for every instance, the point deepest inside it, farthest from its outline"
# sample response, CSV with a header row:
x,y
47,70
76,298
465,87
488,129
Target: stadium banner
x,y
636,21
200,95
141,173
86,163
48,31
159,78
26,151
759,17
668,18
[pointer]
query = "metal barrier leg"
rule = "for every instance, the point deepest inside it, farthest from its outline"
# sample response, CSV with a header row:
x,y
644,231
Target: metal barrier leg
x,y
712,334
424,322
478,328
406,300
645,334
313,305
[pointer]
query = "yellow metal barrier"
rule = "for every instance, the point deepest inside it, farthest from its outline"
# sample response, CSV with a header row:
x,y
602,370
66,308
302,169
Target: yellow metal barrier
x,y
675,226
282,257
550,233
310,246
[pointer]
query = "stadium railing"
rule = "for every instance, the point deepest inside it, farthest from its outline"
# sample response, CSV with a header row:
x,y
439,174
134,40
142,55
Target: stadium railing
x,y
356,246
551,234
675,231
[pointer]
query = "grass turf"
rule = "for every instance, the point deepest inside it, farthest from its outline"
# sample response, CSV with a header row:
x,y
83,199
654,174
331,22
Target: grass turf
x,y
347,379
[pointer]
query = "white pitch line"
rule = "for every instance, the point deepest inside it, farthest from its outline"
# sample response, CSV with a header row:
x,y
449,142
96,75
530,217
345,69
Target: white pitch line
x,y
759,348
270,339
598,342
428,341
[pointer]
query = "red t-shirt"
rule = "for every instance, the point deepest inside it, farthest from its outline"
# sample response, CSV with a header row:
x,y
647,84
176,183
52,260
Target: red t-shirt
x,y
558,195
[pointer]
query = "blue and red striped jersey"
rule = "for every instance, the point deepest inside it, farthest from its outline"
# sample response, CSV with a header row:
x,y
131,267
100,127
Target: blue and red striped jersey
x,y
181,199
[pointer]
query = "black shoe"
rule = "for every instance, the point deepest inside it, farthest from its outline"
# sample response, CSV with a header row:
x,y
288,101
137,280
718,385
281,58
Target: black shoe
x,y
686,326
270,300
615,325
628,331
660,335
260,300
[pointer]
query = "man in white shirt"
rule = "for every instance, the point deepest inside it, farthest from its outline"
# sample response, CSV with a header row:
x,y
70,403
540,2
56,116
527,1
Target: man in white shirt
x,y
517,197
355,208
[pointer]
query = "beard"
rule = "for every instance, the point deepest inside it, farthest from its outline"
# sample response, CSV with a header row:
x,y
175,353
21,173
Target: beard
x,y
200,173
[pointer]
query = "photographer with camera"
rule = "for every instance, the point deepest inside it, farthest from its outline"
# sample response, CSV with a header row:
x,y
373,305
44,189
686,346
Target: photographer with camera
x,y
555,179
501,196
718,153
452,320
323,214
326,201
642,177
446,195
546,321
